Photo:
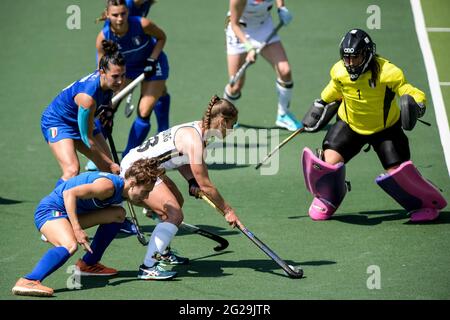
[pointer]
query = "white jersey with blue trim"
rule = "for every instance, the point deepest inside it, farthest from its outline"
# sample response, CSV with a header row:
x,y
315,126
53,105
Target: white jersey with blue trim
x,y
256,12
161,146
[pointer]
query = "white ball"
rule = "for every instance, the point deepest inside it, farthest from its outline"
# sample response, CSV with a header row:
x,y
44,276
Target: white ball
x,y
293,268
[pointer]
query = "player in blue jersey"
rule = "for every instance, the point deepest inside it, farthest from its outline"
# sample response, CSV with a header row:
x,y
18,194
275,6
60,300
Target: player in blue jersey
x,y
139,7
141,42
92,198
68,122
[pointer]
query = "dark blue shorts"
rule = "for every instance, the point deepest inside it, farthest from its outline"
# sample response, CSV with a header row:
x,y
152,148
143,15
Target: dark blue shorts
x,y
53,131
44,214
162,70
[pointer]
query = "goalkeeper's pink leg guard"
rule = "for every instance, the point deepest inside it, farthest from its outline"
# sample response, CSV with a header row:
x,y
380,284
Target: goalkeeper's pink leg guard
x,y
326,182
414,193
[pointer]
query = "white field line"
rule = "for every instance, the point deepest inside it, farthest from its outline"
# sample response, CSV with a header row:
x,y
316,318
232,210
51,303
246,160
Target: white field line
x,y
433,80
438,29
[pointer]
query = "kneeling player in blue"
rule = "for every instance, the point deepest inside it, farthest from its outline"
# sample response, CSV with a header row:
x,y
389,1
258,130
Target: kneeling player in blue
x,y
68,122
84,201
362,92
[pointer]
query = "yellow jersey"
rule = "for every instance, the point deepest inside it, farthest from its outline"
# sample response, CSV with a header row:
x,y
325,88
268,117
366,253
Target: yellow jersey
x,y
366,108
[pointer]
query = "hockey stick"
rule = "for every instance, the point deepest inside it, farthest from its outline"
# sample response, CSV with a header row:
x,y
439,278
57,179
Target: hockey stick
x,y
244,67
279,146
223,243
140,235
129,107
289,270
127,89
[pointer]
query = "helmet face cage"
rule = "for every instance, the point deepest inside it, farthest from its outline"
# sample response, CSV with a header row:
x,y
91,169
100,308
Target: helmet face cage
x,y
357,43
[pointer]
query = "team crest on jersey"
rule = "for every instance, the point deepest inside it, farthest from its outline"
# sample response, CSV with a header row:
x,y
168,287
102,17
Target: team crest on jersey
x,y
137,40
53,132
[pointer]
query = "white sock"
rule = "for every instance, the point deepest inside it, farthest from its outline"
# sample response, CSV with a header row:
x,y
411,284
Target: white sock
x,y
284,91
160,239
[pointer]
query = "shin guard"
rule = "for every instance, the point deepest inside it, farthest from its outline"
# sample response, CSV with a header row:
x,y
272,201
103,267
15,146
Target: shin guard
x,y
326,182
418,196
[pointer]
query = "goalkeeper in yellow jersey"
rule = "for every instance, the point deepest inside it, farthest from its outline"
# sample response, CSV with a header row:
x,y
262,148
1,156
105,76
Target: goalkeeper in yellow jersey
x,y
362,92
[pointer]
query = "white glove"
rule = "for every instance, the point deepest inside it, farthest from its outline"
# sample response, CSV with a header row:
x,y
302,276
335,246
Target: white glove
x,y
284,15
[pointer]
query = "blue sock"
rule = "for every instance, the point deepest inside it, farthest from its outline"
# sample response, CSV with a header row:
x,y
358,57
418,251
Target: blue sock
x,y
138,133
52,260
60,180
103,237
162,109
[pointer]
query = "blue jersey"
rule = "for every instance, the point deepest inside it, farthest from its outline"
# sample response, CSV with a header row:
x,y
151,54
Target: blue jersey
x,y
141,11
136,46
55,199
64,109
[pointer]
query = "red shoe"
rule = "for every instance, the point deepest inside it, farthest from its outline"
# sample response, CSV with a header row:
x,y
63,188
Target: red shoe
x,y
95,270
25,287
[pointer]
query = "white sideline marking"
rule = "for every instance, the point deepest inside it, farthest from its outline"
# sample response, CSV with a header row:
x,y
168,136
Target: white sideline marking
x,y
433,80
444,83
438,29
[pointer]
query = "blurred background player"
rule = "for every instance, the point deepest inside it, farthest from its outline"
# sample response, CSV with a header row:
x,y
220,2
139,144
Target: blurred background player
x,y
92,198
362,91
249,24
181,147
68,122
141,8
141,42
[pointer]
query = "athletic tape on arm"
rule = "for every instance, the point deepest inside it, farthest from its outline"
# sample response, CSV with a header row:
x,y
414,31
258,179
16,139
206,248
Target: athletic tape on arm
x,y
83,124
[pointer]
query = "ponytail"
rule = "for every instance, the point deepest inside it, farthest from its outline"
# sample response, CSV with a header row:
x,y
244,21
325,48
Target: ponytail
x,y
374,67
207,116
218,107
112,55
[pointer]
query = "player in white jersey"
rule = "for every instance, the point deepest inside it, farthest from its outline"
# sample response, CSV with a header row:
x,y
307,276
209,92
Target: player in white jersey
x,y
249,25
181,147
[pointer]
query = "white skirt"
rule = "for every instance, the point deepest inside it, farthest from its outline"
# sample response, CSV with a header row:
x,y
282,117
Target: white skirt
x,y
256,34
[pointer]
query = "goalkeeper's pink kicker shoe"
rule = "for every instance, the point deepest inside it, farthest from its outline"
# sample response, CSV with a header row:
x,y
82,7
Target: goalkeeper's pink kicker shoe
x,y
321,210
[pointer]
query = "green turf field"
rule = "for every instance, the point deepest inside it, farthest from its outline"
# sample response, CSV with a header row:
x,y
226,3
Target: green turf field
x,y
40,56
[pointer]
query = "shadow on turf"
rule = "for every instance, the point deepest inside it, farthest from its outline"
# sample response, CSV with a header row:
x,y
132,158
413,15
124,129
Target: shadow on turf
x,y
225,166
366,217
247,126
4,201
215,268
148,229
88,283
198,268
